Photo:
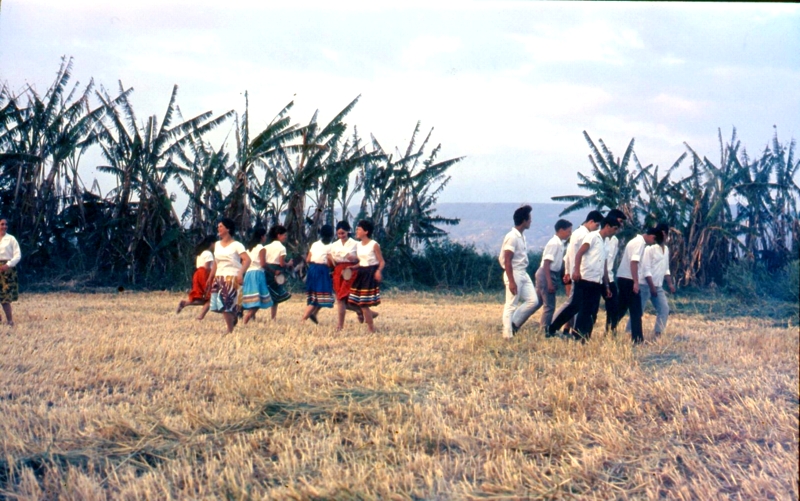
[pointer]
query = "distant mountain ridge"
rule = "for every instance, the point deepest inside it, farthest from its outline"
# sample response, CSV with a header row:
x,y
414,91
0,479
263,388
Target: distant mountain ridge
x,y
485,224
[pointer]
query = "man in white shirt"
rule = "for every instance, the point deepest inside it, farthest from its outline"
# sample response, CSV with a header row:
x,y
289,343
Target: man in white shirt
x,y
592,223
628,282
550,271
521,298
612,245
655,267
590,279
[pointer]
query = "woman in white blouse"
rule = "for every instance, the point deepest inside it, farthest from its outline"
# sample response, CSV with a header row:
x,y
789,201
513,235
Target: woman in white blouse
x,y
319,287
9,257
366,291
343,256
227,273
655,269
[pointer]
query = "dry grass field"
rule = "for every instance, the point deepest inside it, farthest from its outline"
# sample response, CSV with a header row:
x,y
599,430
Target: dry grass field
x,y
113,396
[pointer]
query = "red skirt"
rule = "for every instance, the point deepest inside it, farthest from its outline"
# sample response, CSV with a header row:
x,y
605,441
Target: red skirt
x,y
199,281
341,286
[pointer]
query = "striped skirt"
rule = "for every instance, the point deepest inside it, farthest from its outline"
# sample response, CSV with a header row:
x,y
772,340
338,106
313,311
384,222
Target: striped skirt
x,y
365,290
277,291
319,287
340,285
255,293
9,285
225,295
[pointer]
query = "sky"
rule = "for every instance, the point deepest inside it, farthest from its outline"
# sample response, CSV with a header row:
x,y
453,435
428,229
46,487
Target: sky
x,y
511,86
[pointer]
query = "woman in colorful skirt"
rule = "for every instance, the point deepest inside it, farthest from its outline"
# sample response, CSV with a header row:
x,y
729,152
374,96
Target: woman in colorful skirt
x,y
276,264
9,258
227,273
255,293
319,287
365,291
200,295
343,257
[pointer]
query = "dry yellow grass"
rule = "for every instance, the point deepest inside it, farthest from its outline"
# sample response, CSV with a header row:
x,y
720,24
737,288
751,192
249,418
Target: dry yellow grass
x,y
114,396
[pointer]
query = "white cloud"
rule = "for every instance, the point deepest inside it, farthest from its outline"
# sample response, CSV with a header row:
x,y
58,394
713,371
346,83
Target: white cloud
x,y
595,41
424,48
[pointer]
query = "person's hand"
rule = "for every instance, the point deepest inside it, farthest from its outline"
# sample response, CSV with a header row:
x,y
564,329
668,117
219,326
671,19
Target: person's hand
x,y
512,286
5,267
636,287
378,276
576,276
240,279
609,294
551,288
566,280
671,289
653,292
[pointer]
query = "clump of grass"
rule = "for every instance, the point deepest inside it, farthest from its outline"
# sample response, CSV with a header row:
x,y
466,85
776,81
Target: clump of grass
x,y
114,396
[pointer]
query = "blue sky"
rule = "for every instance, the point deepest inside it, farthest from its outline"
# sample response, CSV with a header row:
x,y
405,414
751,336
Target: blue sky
x,y
509,85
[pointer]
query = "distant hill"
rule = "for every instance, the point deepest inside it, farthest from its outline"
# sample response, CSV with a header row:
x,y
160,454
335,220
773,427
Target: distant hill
x,y
484,225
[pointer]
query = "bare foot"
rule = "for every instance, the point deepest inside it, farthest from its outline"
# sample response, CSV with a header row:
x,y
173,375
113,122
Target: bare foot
x,y
181,306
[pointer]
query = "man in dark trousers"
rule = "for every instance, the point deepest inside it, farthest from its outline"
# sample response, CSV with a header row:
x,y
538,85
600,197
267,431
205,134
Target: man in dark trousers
x,y
628,283
590,280
612,302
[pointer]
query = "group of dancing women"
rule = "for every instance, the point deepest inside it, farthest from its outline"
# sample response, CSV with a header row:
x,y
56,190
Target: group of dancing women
x,y
238,281
584,261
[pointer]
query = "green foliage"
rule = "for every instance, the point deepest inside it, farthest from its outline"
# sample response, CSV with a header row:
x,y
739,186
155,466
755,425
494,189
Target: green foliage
x,y
747,281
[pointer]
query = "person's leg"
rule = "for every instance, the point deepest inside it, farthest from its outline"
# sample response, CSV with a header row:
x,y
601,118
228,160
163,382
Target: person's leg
x,y
368,318
512,303
625,288
570,288
590,293
662,311
612,308
567,311
181,306
204,310
529,302
8,313
644,296
341,310
273,311
230,320
249,314
546,299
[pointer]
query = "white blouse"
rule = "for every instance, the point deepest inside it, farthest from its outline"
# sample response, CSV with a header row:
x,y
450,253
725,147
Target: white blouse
x,y
255,263
366,254
319,252
275,250
203,259
228,258
344,252
9,250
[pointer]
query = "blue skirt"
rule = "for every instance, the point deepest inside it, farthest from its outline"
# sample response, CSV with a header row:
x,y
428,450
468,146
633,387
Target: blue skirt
x,y
255,293
319,286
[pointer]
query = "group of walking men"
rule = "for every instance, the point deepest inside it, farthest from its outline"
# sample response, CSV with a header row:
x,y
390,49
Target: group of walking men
x,y
584,261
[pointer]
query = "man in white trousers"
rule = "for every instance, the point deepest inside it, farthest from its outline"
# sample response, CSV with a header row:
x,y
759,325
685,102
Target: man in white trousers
x,y
521,300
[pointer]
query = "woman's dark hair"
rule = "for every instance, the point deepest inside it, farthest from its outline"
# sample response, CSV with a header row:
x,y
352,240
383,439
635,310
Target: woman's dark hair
x,y
522,214
326,234
255,239
343,225
275,231
366,226
205,244
229,224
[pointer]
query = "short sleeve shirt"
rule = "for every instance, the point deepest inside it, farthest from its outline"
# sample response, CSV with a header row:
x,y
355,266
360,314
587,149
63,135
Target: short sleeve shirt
x,y
593,263
319,252
575,242
343,252
514,241
228,258
656,264
554,252
9,250
612,247
633,253
255,262
274,252
204,258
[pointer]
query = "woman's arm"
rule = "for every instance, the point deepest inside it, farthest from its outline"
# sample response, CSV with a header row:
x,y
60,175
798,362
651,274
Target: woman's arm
x,y
262,257
245,265
381,263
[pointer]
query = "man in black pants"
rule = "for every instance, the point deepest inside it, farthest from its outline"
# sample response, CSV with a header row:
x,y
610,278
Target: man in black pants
x,y
590,278
628,282
612,302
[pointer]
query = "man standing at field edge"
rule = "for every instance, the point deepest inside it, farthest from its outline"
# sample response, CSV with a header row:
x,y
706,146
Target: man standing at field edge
x,y
521,300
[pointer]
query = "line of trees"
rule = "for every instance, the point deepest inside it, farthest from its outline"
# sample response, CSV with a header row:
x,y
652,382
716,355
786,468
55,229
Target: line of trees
x,y
740,209
301,176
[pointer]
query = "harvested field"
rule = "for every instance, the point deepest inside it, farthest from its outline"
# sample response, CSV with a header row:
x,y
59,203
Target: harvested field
x,y
114,396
